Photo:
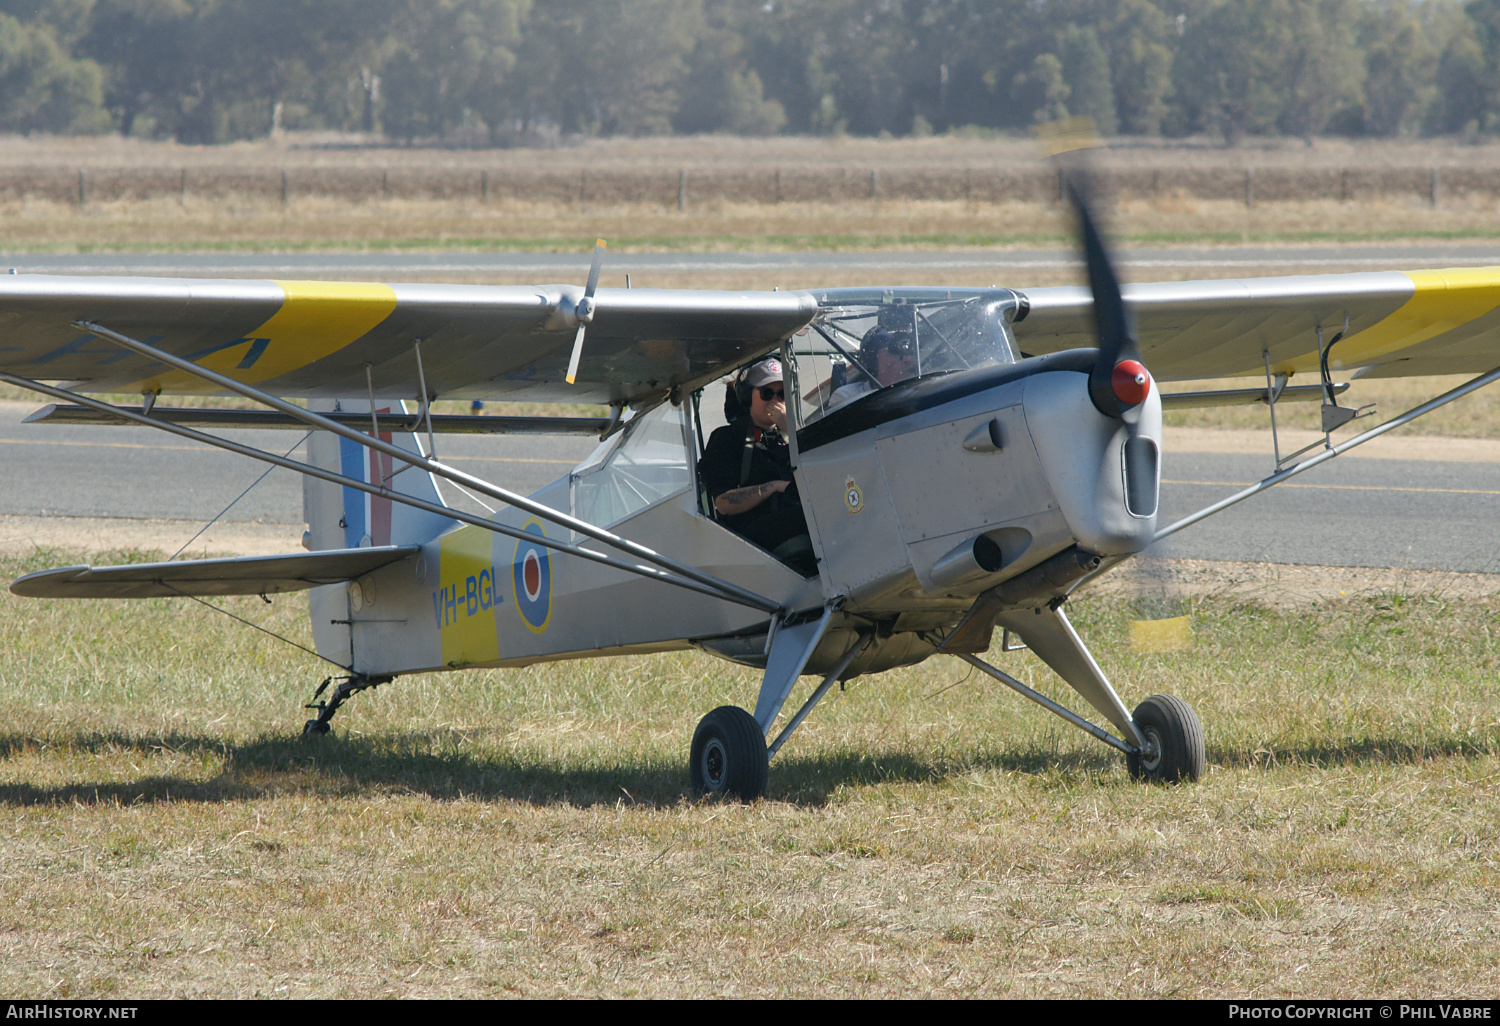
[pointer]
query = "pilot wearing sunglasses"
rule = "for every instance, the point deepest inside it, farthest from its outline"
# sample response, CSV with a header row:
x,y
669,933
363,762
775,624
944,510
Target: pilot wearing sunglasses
x,y
746,467
888,354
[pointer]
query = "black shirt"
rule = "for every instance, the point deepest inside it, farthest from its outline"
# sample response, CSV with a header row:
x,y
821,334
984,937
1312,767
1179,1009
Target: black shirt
x,y
777,519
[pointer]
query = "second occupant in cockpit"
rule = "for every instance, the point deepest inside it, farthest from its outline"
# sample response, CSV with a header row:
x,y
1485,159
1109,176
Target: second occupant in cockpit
x,y
888,354
747,466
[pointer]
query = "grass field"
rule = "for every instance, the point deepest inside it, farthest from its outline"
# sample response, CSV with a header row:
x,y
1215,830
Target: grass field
x,y
530,832
939,193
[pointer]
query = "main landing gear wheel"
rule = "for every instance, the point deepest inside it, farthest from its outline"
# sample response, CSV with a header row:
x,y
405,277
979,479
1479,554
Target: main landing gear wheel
x,y
1174,739
729,755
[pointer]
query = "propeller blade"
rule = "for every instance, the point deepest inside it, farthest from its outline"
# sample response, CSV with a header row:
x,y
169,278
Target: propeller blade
x,y
585,309
577,353
1119,381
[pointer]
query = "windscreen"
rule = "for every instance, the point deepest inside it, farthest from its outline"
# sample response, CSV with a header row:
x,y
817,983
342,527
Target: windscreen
x,y
864,341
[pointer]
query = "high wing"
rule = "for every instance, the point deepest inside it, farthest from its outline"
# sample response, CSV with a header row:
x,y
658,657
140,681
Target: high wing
x,y
246,575
309,339
1399,323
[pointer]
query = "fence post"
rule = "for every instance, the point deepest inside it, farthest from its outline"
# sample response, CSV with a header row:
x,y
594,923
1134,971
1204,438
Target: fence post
x,y
682,189
1249,188
778,185
874,184
83,187
1432,187
583,184
182,188
286,187
484,186
1344,187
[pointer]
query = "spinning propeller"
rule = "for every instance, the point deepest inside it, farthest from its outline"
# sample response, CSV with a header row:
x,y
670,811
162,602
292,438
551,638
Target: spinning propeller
x,y
584,311
1119,382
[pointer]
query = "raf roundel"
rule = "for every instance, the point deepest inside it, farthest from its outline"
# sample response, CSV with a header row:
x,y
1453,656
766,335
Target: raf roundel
x,y
532,575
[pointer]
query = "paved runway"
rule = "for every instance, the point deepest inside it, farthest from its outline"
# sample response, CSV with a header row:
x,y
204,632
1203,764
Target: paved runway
x,y
1214,261
137,473
1429,515
1405,514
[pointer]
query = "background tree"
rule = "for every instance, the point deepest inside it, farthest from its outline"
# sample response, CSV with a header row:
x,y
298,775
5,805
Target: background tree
x,y
1139,39
143,47
42,89
1320,68
448,64
1400,70
720,90
1226,68
609,66
213,70
1085,68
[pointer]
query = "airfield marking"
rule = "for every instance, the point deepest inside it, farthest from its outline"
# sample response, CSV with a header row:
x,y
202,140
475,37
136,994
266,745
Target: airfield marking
x,y
1347,487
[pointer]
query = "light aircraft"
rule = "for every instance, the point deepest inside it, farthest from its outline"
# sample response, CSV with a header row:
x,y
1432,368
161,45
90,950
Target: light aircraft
x,y
1020,460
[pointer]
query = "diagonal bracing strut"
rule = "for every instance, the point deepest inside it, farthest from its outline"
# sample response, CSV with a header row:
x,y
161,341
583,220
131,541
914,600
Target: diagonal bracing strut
x,y
650,573
724,589
1327,454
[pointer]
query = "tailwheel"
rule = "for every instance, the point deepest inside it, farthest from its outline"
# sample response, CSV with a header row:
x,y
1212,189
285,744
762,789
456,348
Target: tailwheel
x,y
1174,741
729,755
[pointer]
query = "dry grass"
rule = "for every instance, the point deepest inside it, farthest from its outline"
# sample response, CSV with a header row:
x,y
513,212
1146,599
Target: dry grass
x,y
331,224
529,832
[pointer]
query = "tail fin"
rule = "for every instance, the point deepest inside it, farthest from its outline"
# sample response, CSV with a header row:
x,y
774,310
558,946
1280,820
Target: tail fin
x,y
340,517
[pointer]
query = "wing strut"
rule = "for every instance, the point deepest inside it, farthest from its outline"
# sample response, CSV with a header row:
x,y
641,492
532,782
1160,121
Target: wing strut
x,y
719,586
753,601
1329,453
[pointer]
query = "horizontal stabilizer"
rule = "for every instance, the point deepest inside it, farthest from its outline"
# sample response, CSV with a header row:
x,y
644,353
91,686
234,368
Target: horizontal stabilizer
x,y
243,575
442,423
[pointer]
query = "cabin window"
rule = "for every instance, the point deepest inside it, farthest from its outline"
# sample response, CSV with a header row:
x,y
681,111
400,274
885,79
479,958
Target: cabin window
x,y
645,463
866,340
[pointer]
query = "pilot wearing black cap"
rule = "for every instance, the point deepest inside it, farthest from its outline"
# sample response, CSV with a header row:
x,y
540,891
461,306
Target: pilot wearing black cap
x,y
889,354
746,467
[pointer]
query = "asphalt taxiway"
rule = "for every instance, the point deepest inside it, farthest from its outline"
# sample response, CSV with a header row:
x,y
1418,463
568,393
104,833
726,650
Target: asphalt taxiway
x,y
1420,514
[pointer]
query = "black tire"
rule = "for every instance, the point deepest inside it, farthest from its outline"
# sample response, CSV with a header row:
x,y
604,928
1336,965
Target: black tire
x,y
1169,723
729,755
315,728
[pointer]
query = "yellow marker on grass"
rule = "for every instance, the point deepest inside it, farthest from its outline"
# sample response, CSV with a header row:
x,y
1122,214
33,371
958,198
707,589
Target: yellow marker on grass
x,y
1171,635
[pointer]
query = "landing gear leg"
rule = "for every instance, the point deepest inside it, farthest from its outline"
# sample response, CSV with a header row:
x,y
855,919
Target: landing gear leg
x,y
1162,740
347,687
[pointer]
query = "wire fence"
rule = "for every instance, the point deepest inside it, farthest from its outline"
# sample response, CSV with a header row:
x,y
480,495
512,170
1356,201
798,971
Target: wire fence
x,y
685,187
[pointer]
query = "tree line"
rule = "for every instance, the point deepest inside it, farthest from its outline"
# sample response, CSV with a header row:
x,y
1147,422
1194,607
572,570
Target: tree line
x,y
507,71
